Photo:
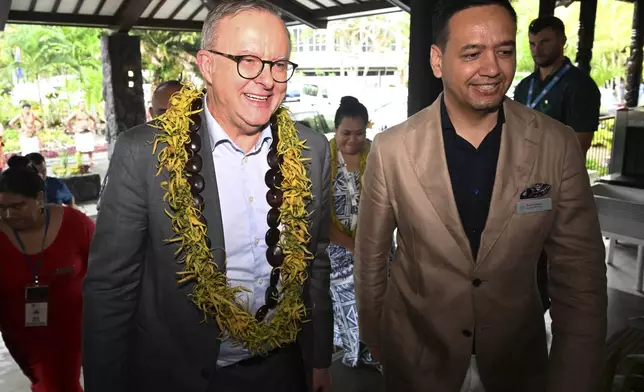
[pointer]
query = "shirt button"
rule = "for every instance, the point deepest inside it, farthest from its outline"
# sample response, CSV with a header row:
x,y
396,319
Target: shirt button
x,y
251,199
467,333
476,191
245,160
260,282
256,241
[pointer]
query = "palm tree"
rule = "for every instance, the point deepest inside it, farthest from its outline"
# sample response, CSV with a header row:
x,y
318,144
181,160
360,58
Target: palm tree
x,y
168,55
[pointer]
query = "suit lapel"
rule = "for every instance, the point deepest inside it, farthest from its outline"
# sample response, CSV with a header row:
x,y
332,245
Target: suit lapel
x,y
519,144
426,150
212,208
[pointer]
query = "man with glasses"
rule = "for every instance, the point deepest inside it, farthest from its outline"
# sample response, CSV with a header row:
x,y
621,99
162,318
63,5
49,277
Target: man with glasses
x,y
141,330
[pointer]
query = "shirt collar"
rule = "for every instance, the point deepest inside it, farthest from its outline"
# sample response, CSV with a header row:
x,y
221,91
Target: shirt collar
x,y
218,136
536,75
446,123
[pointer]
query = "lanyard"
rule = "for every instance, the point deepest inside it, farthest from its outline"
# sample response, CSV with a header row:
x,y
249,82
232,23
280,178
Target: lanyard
x,y
35,268
353,192
531,104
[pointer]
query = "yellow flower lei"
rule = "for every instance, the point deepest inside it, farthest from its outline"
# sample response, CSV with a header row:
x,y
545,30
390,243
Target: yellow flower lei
x,y
212,292
334,172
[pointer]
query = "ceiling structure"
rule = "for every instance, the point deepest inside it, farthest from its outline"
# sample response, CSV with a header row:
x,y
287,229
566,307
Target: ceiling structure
x,y
186,15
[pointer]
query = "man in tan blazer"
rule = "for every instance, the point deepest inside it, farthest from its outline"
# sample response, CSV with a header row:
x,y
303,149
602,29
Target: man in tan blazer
x,y
477,185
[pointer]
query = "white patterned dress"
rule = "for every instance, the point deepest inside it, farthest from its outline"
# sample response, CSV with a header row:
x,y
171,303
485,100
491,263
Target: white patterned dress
x,y
346,333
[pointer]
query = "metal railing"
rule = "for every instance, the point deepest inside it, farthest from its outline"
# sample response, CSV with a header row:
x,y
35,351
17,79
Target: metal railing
x,y
598,156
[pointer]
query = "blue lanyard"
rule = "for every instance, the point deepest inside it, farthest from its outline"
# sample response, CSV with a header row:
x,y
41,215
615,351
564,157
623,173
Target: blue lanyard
x,y
531,104
35,268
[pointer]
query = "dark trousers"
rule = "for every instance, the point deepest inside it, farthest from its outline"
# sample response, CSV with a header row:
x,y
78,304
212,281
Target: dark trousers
x,y
542,281
281,370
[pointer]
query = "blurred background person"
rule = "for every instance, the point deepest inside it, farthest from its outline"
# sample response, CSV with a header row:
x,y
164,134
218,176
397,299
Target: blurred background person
x,y
83,124
161,97
56,192
558,88
349,149
28,124
44,250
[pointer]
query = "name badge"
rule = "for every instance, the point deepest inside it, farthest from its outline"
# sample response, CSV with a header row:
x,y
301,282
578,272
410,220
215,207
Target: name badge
x,y
36,307
527,206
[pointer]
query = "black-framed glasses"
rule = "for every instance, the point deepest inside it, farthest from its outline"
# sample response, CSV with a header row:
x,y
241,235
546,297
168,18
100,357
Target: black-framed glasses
x,y
250,67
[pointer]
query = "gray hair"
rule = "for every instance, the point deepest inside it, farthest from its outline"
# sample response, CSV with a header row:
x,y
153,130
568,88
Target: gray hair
x,y
229,8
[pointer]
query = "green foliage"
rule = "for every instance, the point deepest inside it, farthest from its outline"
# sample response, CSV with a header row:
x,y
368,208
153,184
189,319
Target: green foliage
x,y
612,36
75,53
10,138
48,51
64,169
51,139
168,55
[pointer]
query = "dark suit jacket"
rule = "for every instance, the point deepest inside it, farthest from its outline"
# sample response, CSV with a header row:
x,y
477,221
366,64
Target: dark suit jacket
x,y
141,332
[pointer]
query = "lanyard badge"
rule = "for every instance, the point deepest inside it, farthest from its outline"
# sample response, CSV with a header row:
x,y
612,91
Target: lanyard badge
x,y
36,296
532,104
36,306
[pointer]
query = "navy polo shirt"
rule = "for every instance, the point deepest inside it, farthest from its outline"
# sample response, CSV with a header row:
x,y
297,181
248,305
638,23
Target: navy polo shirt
x,y
574,100
472,172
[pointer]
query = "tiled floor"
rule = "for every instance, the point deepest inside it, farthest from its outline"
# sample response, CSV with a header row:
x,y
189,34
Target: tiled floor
x,y
624,303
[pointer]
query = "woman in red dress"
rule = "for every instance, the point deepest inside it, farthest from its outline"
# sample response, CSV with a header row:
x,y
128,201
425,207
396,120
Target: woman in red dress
x,y
44,252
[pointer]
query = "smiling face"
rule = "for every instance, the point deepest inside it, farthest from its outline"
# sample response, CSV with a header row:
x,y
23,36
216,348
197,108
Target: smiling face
x,y
350,135
236,103
478,62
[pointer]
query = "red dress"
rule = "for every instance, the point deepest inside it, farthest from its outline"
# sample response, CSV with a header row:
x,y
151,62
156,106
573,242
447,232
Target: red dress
x,y
50,356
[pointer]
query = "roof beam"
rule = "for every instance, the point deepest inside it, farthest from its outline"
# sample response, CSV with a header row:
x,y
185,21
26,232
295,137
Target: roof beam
x,y
402,4
210,4
178,9
99,7
129,13
46,18
350,9
156,9
5,6
299,13
197,11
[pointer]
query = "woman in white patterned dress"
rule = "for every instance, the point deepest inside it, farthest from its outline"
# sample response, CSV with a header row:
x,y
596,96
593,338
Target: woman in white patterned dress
x,y
349,149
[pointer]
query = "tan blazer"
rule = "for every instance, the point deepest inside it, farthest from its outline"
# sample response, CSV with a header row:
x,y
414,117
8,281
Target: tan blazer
x,y
422,317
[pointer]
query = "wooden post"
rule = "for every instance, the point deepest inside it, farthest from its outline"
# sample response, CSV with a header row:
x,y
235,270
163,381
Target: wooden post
x,y
587,18
634,65
122,84
546,7
423,87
